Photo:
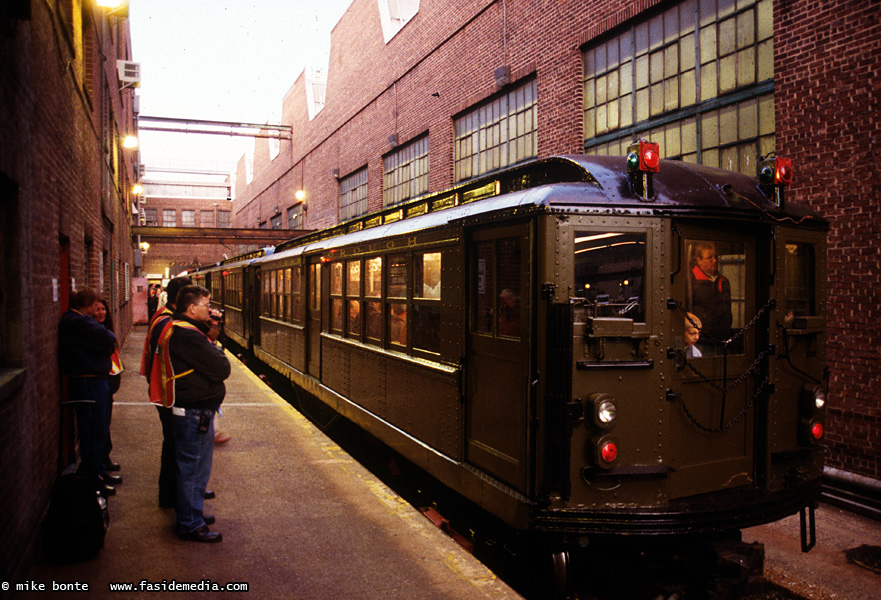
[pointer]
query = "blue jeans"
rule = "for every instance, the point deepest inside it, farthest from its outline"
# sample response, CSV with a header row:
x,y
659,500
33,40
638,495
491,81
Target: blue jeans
x,y
91,398
194,451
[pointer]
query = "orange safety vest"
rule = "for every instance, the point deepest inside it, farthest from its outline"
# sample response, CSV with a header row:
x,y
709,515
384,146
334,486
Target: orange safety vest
x,y
163,376
146,354
115,362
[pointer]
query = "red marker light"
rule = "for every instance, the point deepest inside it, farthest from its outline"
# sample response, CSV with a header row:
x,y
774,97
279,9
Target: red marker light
x,y
783,171
609,452
817,430
649,157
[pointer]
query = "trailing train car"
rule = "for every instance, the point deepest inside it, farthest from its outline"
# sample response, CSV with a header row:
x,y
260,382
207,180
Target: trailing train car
x,y
582,346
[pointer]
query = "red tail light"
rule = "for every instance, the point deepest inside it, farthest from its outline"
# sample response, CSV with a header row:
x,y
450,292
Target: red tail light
x,y
609,452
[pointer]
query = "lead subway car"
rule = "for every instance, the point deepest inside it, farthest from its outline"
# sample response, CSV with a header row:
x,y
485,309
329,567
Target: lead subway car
x,y
522,338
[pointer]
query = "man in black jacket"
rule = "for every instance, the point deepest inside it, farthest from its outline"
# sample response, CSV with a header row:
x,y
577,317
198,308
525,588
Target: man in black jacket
x,y
84,350
195,368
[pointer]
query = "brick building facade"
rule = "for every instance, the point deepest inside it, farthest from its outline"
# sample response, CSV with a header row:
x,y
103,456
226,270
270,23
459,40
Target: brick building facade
x,y
424,84
65,221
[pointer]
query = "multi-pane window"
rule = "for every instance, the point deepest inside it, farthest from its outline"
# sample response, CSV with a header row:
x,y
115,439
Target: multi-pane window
x,y
353,195
498,133
295,217
206,218
169,217
151,217
697,78
405,172
188,218
224,218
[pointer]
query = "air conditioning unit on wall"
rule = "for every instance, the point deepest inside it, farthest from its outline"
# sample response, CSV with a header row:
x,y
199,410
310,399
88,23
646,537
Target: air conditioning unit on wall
x,y
129,73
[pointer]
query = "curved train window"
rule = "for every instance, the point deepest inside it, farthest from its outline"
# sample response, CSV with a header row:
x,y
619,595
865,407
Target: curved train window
x,y
610,274
373,299
799,282
396,294
426,302
716,293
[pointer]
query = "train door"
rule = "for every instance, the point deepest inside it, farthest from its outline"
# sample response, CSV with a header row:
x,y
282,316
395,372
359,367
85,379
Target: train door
x,y
313,318
497,369
719,367
251,293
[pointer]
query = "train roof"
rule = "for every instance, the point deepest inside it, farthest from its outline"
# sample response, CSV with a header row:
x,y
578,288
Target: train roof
x,y
564,184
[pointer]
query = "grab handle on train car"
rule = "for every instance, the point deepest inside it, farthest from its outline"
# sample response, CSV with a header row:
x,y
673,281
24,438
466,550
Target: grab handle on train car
x,y
678,253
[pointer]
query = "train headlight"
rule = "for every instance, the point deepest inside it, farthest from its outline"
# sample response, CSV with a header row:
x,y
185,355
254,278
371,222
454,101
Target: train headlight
x,y
820,399
604,410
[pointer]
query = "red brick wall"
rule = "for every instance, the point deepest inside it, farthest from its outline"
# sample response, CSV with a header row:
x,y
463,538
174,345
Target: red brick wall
x,y
51,148
442,62
828,93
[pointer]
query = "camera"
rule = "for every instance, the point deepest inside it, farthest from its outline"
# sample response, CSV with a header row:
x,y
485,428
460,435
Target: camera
x,y
216,315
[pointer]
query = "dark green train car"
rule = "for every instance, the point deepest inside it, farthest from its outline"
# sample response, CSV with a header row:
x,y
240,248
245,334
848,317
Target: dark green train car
x,y
522,337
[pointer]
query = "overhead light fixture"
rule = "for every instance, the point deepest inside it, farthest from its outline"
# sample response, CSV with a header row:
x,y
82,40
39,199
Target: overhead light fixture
x,y
137,189
300,195
114,8
130,142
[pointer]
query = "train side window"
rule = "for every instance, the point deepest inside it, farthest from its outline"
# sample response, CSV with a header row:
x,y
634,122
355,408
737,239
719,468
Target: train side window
x,y
717,292
373,299
396,294
315,286
353,299
610,274
296,298
799,282
428,276
336,300
496,303
267,294
288,295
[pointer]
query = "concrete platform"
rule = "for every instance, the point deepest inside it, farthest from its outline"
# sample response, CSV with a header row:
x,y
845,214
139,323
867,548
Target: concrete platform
x,y
300,518
824,573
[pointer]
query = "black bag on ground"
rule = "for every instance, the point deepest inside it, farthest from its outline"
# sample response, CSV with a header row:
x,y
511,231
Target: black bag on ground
x,y
76,522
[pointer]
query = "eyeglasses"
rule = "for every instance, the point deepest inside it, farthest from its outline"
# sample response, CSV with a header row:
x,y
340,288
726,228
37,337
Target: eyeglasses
x,y
205,305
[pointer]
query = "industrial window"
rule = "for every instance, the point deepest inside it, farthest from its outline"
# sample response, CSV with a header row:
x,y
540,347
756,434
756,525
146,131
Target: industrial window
x,y
206,218
151,217
405,172
169,217
394,14
295,217
697,78
498,133
188,218
223,218
353,195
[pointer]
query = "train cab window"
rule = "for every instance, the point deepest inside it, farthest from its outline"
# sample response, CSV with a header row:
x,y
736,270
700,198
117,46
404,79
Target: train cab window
x,y
353,299
426,304
799,283
336,300
373,299
610,274
396,294
717,293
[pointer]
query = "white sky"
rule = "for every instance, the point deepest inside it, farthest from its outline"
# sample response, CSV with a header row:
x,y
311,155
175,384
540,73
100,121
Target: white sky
x,y
222,60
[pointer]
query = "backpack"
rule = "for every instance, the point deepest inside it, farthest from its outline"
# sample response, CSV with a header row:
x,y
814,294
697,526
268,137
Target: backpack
x,y
76,521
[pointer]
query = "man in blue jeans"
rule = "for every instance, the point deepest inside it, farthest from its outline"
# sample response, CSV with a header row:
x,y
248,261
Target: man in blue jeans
x,y
194,368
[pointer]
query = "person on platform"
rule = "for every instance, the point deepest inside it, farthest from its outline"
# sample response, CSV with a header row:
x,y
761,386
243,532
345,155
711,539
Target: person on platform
x,y
193,368
103,316
84,350
152,301
150,370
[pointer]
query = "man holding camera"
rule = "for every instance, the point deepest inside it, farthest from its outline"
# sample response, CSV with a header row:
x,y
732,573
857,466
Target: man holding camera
x,y
194,368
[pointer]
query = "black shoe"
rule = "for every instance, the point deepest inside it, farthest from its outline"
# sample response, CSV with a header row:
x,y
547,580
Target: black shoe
x,y
111,479
210,495
202,534
106,490
112,466
209,519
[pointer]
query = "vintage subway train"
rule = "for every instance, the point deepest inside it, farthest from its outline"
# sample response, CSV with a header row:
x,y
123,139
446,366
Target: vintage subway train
x,y
522,337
